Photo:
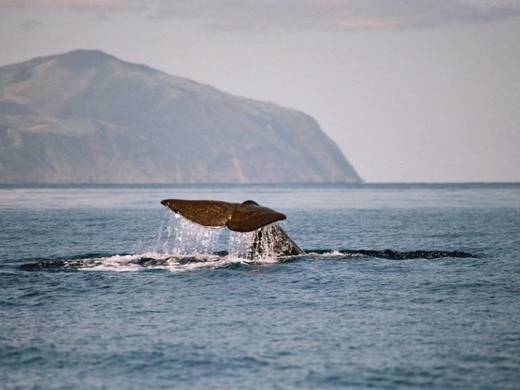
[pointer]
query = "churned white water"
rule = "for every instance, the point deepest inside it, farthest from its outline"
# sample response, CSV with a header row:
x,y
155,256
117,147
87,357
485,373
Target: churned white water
x,y
181,245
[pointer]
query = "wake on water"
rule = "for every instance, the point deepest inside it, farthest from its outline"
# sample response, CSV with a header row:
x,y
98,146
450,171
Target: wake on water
x,y
181,245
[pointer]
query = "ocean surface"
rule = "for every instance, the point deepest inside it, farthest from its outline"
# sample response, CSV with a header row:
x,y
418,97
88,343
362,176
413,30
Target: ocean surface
x,y
402,286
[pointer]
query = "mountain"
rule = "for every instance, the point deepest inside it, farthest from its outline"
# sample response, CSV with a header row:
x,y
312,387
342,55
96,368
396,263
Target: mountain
x,y
88,117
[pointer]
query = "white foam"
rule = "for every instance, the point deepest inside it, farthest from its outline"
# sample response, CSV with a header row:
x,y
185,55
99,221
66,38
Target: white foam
x,y
154,260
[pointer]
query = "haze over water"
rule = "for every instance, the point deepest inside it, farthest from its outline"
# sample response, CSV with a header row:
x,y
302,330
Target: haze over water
x,y
331,318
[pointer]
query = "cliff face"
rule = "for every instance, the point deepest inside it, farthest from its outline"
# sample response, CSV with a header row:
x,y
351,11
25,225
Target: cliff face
x,y
87,117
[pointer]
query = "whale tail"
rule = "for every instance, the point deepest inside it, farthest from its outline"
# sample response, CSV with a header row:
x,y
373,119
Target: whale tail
x,y
242,217
239,217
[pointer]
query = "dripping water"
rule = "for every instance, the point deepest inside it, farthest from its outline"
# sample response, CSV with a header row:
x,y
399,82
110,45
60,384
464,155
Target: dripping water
x,y
177,236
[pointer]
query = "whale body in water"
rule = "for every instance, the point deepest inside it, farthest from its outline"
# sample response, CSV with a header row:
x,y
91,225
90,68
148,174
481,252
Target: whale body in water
x,y
267,240
243,217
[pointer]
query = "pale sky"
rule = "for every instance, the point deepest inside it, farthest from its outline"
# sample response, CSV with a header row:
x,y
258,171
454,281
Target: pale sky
x,y
411,90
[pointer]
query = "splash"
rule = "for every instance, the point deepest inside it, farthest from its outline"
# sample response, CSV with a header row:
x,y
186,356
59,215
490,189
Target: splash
x,y
191,239
179,237
239,245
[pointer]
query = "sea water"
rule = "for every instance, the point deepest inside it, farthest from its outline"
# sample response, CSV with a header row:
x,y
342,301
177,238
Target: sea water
x,y
102,287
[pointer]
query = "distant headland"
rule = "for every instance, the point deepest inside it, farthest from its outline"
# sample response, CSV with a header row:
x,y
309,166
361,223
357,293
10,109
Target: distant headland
x,y
88,117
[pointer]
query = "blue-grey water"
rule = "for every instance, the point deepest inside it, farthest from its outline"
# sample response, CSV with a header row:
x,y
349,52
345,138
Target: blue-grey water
x,y
92,294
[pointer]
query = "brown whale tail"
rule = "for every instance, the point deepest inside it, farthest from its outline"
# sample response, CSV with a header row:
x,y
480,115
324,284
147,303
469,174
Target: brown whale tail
x,y
239,217
242,217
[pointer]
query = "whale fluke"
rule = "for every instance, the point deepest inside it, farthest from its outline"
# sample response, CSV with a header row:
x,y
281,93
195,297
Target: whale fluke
x,y
212,213
239,217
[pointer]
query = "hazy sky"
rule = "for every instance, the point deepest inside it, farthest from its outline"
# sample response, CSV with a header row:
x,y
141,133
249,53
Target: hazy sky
x,y
411,90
